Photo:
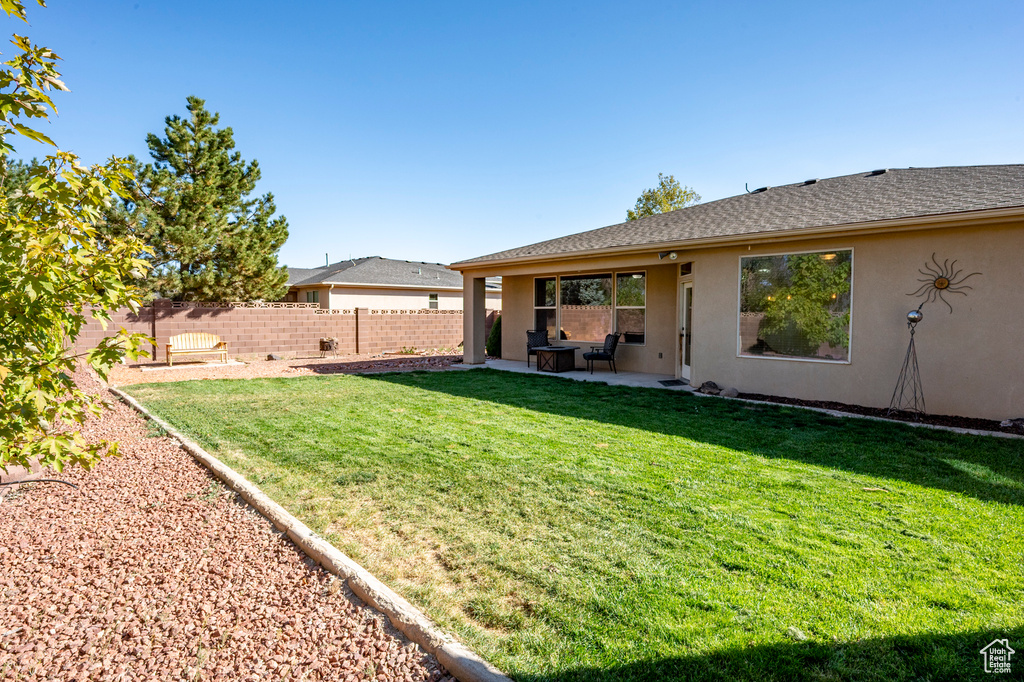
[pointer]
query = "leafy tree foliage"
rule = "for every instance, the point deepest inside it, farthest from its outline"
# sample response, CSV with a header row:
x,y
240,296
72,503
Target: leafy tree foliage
x,y
804,297
55,268
630,290
210,241
669,195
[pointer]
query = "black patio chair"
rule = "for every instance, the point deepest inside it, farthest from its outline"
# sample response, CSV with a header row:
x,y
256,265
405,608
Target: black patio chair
x,y
535,338
605,353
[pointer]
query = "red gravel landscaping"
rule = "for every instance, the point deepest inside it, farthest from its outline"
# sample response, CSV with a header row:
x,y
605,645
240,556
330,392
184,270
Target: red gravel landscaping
x,y
153,571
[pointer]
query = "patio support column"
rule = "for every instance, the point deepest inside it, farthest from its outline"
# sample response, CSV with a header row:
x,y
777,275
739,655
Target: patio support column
x,y
473,318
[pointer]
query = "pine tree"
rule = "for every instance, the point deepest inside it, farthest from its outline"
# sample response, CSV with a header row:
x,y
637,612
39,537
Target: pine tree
x,y
15,175
210,240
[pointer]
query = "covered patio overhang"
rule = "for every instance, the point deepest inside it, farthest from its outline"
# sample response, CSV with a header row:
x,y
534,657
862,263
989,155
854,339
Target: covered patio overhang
x,y
653,353
475,275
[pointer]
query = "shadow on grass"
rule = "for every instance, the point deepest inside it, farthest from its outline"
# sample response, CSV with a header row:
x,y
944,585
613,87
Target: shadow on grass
x,y
911,657
987,468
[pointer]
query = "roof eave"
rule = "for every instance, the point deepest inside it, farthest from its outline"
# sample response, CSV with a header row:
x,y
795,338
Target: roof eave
x,y
984,216
379,285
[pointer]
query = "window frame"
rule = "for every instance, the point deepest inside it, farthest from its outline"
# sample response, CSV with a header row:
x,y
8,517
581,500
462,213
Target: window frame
x,y
312,296
616,306
432,301
614,296
555,307
739,305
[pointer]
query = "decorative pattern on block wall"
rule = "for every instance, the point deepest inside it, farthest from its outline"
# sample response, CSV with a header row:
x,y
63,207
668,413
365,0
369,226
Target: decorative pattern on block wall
x,y
237,304
421,311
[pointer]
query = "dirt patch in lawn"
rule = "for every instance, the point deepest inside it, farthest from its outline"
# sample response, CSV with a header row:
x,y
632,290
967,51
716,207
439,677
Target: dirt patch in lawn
x,y
157,372
152,570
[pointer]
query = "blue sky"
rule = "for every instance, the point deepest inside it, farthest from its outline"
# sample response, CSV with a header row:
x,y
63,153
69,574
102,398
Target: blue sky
x,y
444,131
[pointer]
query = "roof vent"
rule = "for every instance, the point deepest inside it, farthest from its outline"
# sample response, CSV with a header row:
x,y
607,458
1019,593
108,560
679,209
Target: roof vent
x,y
880,171
761,189
812,181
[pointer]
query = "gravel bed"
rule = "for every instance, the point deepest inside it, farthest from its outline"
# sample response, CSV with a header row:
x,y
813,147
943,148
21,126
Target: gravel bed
x,y
123,375
934,419
151,570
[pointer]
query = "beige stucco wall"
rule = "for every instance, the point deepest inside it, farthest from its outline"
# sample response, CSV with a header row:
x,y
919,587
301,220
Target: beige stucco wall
x,y
970,360
347,298
300,295
398,299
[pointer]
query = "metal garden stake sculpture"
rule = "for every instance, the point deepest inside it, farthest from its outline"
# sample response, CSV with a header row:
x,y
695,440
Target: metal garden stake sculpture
x,y
908,396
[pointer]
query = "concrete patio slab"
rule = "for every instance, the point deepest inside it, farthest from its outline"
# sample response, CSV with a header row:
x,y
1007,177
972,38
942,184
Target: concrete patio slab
x,y
606,376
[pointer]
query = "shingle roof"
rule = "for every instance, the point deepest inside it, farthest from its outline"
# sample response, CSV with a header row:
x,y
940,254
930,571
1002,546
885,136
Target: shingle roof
x,y
300,275
864,197
377,270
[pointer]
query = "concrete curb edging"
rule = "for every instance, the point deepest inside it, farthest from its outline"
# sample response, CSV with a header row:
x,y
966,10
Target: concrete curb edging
x,y
871,417
460,661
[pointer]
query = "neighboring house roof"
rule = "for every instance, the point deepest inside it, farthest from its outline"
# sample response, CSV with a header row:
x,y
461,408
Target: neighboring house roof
x,y
299,275
377,271
845,200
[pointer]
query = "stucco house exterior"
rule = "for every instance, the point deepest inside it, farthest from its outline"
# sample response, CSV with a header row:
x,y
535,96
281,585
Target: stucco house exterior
x,y
383,283
801,290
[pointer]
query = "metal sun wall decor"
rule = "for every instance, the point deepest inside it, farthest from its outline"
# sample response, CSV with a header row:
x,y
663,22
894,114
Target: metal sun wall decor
x,y
908,396
941,279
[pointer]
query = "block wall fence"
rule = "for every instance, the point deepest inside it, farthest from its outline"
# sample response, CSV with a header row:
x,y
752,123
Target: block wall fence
x,y
287,329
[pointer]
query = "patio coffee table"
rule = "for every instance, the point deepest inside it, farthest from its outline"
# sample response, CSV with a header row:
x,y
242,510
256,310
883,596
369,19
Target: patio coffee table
x,y
556,358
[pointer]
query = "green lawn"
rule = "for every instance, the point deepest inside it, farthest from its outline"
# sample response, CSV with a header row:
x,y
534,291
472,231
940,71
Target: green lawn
x,y
576,531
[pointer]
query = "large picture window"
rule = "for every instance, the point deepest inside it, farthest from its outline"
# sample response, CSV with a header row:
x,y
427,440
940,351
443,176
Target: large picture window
x,y
589,307
796,305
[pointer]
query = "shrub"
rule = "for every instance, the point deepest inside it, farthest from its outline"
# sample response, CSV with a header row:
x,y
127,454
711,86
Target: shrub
x,y
493,345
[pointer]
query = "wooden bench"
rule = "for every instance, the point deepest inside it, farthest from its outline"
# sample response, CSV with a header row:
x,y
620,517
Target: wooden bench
x,y
196,343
